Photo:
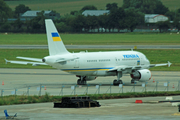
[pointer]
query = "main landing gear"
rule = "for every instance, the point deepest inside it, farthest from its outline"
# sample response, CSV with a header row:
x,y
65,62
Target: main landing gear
x,y
118,81
81,81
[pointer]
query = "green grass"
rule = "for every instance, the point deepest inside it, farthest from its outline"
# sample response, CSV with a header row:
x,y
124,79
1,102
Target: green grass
x,y
10,100
62,6
66,6
94,39
155,56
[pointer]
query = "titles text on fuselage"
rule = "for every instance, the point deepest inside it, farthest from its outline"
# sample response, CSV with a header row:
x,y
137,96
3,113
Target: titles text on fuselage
x,y
131,56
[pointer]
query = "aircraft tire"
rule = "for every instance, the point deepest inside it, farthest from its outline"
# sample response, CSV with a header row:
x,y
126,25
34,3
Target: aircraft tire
x,y
79,81
115,82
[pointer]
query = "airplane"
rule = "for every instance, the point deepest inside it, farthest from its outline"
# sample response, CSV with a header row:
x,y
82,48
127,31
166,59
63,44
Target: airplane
x,y
88,66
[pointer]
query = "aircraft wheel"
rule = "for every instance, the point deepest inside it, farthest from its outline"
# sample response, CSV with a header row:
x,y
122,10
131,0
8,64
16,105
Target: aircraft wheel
x,y
79,81
132,81
115,82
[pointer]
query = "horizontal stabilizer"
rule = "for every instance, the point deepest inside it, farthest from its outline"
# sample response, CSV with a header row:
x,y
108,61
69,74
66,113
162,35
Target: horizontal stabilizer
x,y
25,62
32,59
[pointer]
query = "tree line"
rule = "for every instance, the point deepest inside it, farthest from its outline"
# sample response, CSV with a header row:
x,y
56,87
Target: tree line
x,y
129,16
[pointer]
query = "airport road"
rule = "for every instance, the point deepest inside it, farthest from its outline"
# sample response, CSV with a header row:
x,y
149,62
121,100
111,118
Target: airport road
x,y
93,46
116,109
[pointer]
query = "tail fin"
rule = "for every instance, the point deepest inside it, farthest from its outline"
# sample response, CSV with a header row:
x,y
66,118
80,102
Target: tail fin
x,y
55,42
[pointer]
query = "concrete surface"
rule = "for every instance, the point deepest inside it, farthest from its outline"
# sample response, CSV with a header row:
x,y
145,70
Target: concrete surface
x,y
114,109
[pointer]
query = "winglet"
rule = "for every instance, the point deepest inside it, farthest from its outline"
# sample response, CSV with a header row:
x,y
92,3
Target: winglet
x,y
6,61
169,64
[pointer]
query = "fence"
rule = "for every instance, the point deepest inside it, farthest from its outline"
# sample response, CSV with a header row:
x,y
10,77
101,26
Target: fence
x,y
68,89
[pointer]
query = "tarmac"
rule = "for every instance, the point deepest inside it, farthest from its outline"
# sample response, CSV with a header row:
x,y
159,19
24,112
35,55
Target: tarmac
x,y
113,109
117,109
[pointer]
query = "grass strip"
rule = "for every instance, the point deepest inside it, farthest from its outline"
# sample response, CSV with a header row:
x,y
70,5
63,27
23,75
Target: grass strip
x,y
23,99
94,39
155,57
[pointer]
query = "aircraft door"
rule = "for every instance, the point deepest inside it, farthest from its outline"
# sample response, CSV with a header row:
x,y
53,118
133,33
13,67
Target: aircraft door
x,y
117,60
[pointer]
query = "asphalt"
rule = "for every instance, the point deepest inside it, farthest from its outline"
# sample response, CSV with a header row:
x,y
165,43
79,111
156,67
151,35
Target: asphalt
x,y
56,80
93,46
113,109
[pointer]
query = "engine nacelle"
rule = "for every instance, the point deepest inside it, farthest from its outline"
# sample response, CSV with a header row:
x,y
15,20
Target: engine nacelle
x,y
141,75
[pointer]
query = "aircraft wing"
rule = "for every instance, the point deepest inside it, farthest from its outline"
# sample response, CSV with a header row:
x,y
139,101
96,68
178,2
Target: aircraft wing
x,y
123,68
25,62
128,68
163,64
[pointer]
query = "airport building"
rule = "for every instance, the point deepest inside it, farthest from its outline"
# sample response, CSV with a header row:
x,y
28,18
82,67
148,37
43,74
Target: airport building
x,y
95,12
32,14
154,18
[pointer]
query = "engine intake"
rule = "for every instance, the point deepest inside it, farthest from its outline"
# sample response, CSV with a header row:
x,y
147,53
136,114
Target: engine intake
x,y
141,75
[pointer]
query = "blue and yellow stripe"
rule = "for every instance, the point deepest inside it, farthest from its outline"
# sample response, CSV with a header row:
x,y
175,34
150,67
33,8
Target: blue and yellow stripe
x,y
55,36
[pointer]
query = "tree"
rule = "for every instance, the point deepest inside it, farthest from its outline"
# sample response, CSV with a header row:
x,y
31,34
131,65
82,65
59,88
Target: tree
x,y
116,18
63,27
111,6
18,24
5,11
103,21
170,15
73,12
5,27
133,18
38,23
146,6
178,10
91,22
176,23
88,7
163,25
77,23
20,9
160,8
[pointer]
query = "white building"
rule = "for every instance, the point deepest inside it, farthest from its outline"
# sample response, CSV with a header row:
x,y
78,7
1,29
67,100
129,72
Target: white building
x,y
154,18
32,14
95,12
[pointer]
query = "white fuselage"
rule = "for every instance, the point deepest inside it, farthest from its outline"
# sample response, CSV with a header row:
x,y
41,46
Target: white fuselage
x,y
97,63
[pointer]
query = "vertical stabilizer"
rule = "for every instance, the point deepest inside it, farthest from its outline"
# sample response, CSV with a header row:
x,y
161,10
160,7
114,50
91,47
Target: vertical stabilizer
x,y
55,43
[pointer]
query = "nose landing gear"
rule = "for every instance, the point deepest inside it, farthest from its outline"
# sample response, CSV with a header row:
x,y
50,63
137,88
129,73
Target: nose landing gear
x,y
81,81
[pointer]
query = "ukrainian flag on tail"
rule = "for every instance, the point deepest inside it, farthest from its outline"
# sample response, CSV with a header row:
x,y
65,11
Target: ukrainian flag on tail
x,y
55,36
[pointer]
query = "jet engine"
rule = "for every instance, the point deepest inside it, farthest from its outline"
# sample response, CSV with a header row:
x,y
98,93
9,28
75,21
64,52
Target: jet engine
x,y
141,75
